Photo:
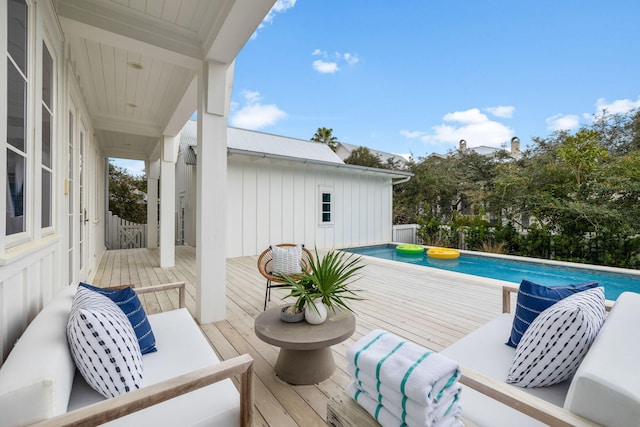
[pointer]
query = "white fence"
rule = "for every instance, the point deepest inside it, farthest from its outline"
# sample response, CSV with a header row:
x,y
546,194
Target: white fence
x,y
123,234
405,233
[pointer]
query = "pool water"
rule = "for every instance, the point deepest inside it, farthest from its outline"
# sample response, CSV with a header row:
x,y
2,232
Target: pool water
x,y
513,270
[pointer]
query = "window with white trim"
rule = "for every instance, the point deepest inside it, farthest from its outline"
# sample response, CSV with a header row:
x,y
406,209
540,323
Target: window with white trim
x,y
326,205
17,95
47,138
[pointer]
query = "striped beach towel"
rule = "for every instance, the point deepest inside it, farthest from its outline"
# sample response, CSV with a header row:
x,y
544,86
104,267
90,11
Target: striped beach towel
x,y
408,410
388,419
414,371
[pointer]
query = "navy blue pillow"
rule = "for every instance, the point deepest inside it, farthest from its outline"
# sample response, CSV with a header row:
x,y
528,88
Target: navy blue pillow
x,y
533,299
129,303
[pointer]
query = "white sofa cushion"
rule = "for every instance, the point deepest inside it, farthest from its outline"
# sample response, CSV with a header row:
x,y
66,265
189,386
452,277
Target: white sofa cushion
x,y
606,387
103,344
181,348
484,351
36,377
553,347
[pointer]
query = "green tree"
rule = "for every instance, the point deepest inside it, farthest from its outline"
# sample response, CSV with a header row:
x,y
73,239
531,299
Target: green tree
x,y
127,195
431,192
571,196
619,133
362,156
325,136
582,152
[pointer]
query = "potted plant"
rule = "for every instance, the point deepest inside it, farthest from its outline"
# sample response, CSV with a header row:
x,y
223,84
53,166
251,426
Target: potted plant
x,y
326,286
295,312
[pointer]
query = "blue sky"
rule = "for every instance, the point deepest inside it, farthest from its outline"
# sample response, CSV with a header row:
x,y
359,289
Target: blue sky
x,y
417,76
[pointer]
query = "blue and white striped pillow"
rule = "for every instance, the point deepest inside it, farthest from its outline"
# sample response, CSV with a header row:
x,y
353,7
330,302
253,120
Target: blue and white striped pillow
x,y
533,299
103,344
129,303
553,347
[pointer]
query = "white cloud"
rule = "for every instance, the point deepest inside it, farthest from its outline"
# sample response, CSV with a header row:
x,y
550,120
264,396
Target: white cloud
x,y
251,96
325,67
503,111
563,122
332,65
351,58
254,115
411,134
471,125
617,106
280,6
466,117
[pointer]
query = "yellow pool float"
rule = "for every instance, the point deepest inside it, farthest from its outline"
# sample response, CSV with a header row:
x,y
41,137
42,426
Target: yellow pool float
x,y
443,253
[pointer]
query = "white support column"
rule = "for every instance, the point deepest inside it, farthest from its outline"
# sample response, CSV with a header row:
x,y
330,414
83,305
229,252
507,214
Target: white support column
x,y
152,213
211,199
167,203
153,175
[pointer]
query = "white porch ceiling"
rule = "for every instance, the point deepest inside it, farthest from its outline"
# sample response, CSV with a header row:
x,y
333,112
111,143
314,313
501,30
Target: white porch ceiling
x,y
135,60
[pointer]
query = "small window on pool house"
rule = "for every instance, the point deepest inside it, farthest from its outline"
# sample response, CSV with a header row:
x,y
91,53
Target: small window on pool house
x,y
326,206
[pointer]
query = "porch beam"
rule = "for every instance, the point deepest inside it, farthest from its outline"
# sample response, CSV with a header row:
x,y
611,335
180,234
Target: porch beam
x,y
223,43
117,32
128,126
183,111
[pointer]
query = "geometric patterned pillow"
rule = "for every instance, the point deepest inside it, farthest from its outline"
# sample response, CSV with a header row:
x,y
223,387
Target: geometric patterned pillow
x,y
128,301
553,347
103,344
533,299
286,260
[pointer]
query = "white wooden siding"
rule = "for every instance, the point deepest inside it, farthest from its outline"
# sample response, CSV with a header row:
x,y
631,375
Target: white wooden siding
x,y
25,284
32,273
185,187
275,201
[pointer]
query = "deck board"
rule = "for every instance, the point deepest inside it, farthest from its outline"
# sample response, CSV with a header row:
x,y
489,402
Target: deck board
x,y
433,308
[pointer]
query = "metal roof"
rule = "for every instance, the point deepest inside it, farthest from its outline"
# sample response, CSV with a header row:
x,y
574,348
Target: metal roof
x,y
260,142
248,140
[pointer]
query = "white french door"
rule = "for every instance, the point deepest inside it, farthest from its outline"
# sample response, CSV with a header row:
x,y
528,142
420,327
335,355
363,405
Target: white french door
x,y
82,201
69,187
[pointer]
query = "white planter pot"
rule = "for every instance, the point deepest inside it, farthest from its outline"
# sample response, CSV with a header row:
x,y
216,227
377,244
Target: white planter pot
x,y
316,315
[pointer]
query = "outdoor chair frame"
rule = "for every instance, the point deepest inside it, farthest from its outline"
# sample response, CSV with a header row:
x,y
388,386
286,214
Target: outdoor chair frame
x,y
273,281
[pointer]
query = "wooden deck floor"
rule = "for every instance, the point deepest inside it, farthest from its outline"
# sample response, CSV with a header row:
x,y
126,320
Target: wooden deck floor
x,y
431,307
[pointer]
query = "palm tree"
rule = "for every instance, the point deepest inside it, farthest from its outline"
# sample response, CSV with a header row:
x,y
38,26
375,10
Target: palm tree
x,y
324,136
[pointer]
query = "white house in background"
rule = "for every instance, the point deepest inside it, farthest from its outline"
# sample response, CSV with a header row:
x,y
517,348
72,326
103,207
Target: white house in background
x,y
343,150
487,151
84,80
281,189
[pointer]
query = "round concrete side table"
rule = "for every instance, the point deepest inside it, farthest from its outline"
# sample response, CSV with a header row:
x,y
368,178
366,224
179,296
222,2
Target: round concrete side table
x,y
305,355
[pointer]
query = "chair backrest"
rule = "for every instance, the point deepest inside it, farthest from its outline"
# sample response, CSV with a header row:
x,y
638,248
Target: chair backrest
x,y
266,257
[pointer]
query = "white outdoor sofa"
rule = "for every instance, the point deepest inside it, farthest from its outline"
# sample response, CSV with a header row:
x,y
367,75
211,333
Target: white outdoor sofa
x,y
184,383
604,391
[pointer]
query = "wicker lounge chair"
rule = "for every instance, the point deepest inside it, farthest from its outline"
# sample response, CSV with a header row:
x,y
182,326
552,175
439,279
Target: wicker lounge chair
x,y
265,267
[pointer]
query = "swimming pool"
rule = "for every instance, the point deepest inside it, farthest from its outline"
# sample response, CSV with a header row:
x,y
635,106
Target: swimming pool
x,y
511,270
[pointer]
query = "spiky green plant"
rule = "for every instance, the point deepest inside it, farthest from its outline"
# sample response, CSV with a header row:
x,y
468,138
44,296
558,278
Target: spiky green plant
x,y
329,278
493,247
